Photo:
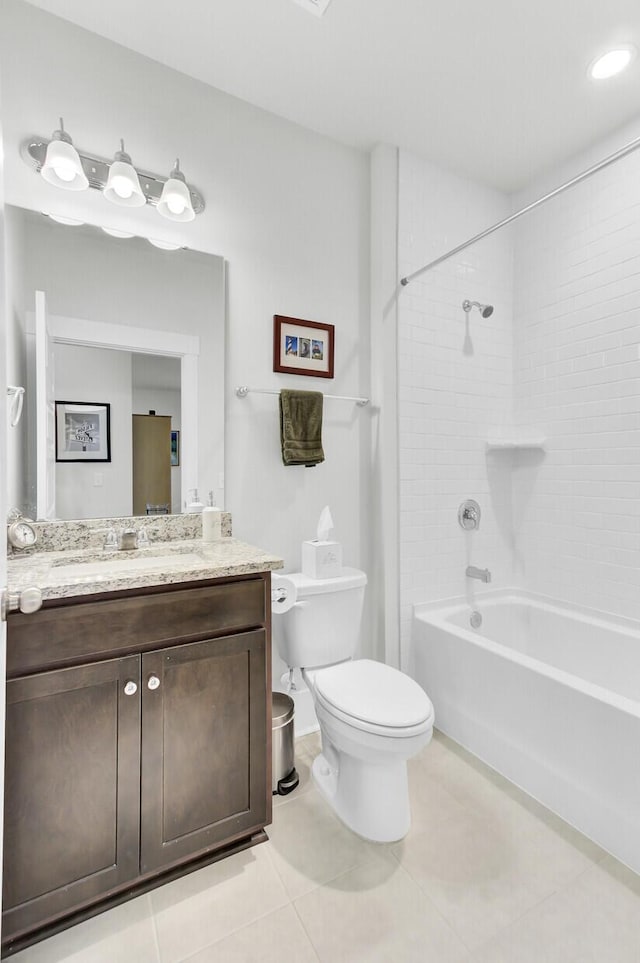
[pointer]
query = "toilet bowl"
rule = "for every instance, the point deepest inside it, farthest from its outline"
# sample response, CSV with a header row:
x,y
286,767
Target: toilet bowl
x,y
366,742
372,717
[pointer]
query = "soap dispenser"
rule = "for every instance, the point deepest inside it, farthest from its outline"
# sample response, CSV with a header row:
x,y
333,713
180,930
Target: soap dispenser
x,y
195,506
211,521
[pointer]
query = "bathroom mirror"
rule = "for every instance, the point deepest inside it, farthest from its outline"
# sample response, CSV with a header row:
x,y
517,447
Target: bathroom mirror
x,y
121,324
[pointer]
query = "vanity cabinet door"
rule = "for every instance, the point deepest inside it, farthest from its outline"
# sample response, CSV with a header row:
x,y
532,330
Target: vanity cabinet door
x,y
71,821
204,739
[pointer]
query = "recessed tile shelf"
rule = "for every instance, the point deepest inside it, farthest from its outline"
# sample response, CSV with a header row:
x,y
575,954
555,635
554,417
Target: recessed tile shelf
x,y
516,442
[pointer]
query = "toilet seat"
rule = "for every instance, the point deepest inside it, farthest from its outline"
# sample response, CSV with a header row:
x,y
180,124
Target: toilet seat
x,y
373,697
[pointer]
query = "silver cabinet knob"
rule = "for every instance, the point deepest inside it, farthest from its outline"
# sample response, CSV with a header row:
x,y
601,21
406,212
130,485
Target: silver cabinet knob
x,y
153,682
30,600
130,688
27,601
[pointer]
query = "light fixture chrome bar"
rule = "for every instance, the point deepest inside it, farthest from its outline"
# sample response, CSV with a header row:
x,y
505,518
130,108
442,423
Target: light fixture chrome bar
x,y
611,159
243,391
34,151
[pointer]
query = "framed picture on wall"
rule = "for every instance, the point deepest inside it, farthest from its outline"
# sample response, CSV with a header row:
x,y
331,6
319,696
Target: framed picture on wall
x,y
83,431
175,449
303,347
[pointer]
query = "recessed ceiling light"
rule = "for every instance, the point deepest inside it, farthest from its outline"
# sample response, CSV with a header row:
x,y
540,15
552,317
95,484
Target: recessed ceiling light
x,y
112,232
316,7
61,219
612,63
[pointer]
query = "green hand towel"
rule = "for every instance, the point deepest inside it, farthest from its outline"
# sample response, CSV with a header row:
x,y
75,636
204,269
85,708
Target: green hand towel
x,y
301,427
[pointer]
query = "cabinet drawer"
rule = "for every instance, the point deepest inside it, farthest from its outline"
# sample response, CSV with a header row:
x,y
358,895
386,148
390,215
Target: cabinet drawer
x,y
64,635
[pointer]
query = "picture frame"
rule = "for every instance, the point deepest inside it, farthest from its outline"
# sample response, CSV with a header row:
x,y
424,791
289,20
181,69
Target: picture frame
x,y
303,347
83,431
175,449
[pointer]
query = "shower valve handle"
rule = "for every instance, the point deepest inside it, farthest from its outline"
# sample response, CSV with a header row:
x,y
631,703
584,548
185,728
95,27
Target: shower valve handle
x,y
469,515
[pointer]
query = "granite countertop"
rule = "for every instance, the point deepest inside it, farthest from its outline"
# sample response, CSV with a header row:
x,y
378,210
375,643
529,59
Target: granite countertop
x,y
64,574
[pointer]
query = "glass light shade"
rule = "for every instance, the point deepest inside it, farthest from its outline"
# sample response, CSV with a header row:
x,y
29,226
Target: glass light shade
x,y
63,219
123,185
62,167
113,232
175,202
164,245
612,63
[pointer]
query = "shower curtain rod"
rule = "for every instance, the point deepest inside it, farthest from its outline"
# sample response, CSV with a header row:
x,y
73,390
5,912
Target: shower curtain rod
x,y
244,390
617,155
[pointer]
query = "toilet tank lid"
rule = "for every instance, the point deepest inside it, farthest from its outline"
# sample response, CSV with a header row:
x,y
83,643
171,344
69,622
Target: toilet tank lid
x,y
349,579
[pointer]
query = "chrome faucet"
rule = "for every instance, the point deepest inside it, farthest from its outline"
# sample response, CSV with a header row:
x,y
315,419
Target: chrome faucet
x,y
128,539
481,573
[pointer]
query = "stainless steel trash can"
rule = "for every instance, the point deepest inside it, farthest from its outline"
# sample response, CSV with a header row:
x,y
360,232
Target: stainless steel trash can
x,y
285,777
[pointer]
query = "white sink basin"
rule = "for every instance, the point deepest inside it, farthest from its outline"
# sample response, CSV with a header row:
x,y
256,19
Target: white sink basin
x,y
117,566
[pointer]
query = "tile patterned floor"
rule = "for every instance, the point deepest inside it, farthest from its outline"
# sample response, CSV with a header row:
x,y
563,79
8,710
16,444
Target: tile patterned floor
x,y
486,875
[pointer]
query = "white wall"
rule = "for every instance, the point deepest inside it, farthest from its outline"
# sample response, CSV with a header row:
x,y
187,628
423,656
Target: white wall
x,y
289,211
96,489
577,364
455,377
286,207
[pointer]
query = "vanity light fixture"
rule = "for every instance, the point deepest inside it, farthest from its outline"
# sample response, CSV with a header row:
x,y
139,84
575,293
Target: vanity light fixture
x,y
112,232
123,184
62,219
175,202
63,166
612,63
164,245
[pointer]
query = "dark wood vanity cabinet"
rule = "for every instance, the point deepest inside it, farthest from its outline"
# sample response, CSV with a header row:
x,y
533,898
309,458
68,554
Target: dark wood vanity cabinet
x,y
203,738
131,751
72,783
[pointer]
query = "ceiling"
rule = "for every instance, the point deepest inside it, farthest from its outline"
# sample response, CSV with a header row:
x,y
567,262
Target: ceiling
x,y
496,90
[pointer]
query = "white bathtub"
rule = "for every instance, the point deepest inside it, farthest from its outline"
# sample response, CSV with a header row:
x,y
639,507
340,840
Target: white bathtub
x,y
547,694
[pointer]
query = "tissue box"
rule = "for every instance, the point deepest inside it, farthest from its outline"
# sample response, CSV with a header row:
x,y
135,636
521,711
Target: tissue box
x,y
321,559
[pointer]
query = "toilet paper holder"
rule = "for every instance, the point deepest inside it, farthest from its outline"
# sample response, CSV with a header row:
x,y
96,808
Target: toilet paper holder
x,y
279,594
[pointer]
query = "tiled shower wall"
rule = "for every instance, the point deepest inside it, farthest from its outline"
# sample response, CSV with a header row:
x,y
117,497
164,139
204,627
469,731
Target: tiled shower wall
x,y
577,377
560,356
455,386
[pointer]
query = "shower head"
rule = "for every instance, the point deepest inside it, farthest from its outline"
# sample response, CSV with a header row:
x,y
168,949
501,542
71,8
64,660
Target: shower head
x,y
486,310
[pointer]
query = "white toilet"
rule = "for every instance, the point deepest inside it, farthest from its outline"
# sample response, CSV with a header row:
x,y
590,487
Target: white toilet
x,y
372,717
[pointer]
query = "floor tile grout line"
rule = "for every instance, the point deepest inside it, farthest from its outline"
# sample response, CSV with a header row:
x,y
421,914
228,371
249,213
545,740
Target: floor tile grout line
x,y
434,906
511,790
232,932
537,821
307,934
236,929
326,882
553,894
156,936
545,899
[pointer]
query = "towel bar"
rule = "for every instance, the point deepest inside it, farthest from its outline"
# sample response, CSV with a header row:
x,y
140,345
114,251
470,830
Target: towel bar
x,y
243,390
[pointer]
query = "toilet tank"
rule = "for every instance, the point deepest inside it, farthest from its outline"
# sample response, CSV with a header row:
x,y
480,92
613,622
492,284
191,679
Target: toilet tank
x,y
324,624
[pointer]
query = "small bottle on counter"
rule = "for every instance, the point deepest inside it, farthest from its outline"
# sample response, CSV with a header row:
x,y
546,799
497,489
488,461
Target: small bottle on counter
x,y
211,521
195,506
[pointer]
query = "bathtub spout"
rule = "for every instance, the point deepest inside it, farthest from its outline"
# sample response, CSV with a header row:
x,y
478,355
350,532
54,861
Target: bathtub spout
x,y
482,573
